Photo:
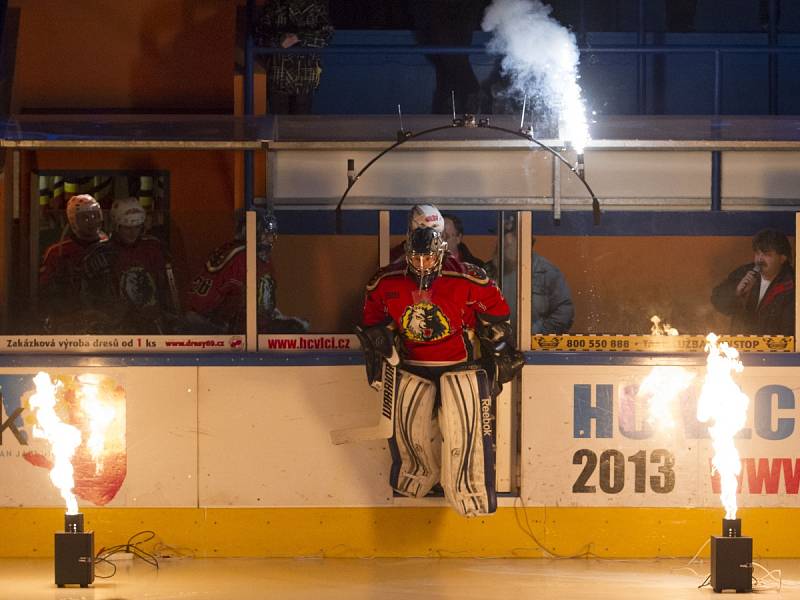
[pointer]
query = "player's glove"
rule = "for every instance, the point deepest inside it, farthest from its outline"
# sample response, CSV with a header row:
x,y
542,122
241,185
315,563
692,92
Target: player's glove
x,y
497,344
377,342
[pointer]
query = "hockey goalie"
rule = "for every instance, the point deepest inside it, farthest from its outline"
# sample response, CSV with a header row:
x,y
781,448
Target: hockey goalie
x,y
437,341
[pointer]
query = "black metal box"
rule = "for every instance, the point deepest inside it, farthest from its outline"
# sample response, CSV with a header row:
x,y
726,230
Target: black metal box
x,y
74,558
732,563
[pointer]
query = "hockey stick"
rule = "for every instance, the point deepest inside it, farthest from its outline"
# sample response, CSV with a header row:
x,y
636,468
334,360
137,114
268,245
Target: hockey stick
x,y
385,427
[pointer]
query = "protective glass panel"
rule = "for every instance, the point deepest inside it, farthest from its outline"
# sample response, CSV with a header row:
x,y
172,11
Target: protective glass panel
x,y
317,277
503,265
101,245
215,302
312,281
103,264
665,274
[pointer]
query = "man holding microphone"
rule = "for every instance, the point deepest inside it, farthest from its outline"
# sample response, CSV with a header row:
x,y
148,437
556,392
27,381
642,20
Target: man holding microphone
x,y
759,296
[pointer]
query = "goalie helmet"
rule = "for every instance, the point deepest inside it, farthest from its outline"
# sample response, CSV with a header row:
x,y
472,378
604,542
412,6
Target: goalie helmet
x,y
425,216
425,249
127,212
85,217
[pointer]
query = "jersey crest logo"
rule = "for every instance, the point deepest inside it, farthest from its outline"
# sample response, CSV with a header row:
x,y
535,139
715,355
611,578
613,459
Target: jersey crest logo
x,y
424,322
138,288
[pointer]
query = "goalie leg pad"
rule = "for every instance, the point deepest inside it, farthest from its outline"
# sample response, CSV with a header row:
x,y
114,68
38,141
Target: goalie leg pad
x,y
467,422
415,466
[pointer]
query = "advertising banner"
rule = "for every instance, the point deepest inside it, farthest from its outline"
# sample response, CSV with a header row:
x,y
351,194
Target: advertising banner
x,y
308,342
98,437
657,343
130,344
588,439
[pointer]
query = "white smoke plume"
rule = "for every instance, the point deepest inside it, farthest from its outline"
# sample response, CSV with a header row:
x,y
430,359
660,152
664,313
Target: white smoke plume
x,y
540,57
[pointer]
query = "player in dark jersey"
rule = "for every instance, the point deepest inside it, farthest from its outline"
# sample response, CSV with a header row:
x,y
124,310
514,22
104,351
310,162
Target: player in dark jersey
x,y
451,325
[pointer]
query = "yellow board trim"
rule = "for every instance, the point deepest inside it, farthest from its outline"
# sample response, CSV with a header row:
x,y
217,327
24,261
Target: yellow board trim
x,y
658,343
409,532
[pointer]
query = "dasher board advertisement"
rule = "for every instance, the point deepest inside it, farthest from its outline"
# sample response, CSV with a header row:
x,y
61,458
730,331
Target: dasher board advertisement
x,y
308,342
133,343
587,440
128,435
657,343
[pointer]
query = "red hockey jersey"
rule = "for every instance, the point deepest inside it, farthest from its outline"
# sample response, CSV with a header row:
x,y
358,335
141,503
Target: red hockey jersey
x,y
61,272
219,292
140,272
436,326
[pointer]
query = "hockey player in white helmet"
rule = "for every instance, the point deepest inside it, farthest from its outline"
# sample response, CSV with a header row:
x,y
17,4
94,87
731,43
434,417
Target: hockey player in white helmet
x,y
420,216
60,273
130,280
128,217
451,325
85,217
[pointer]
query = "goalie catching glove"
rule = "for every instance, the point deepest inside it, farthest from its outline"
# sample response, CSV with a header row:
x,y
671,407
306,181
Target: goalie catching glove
x,y
498,347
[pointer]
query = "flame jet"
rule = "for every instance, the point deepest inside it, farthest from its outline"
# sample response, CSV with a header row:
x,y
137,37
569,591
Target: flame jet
x,y
63,438
723,405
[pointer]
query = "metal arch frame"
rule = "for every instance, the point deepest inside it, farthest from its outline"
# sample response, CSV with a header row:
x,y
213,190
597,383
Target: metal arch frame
x,y
469,122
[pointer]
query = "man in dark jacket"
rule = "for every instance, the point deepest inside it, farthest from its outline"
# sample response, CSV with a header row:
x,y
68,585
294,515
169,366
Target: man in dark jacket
x,y
553,311
454,236
759,296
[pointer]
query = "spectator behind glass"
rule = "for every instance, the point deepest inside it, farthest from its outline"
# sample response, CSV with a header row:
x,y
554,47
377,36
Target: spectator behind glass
x,y
450,23
60,274
759,296
553,311
292,78
453,235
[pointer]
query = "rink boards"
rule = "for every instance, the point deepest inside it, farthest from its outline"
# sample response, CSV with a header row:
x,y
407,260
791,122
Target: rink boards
x,y
232,456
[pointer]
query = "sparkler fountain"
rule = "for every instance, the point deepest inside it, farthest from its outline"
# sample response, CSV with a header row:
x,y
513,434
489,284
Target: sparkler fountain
x,y
540,58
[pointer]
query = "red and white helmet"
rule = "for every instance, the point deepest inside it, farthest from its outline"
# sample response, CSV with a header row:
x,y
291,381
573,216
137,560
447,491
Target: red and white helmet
x,y
127,212
425,216
84,215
